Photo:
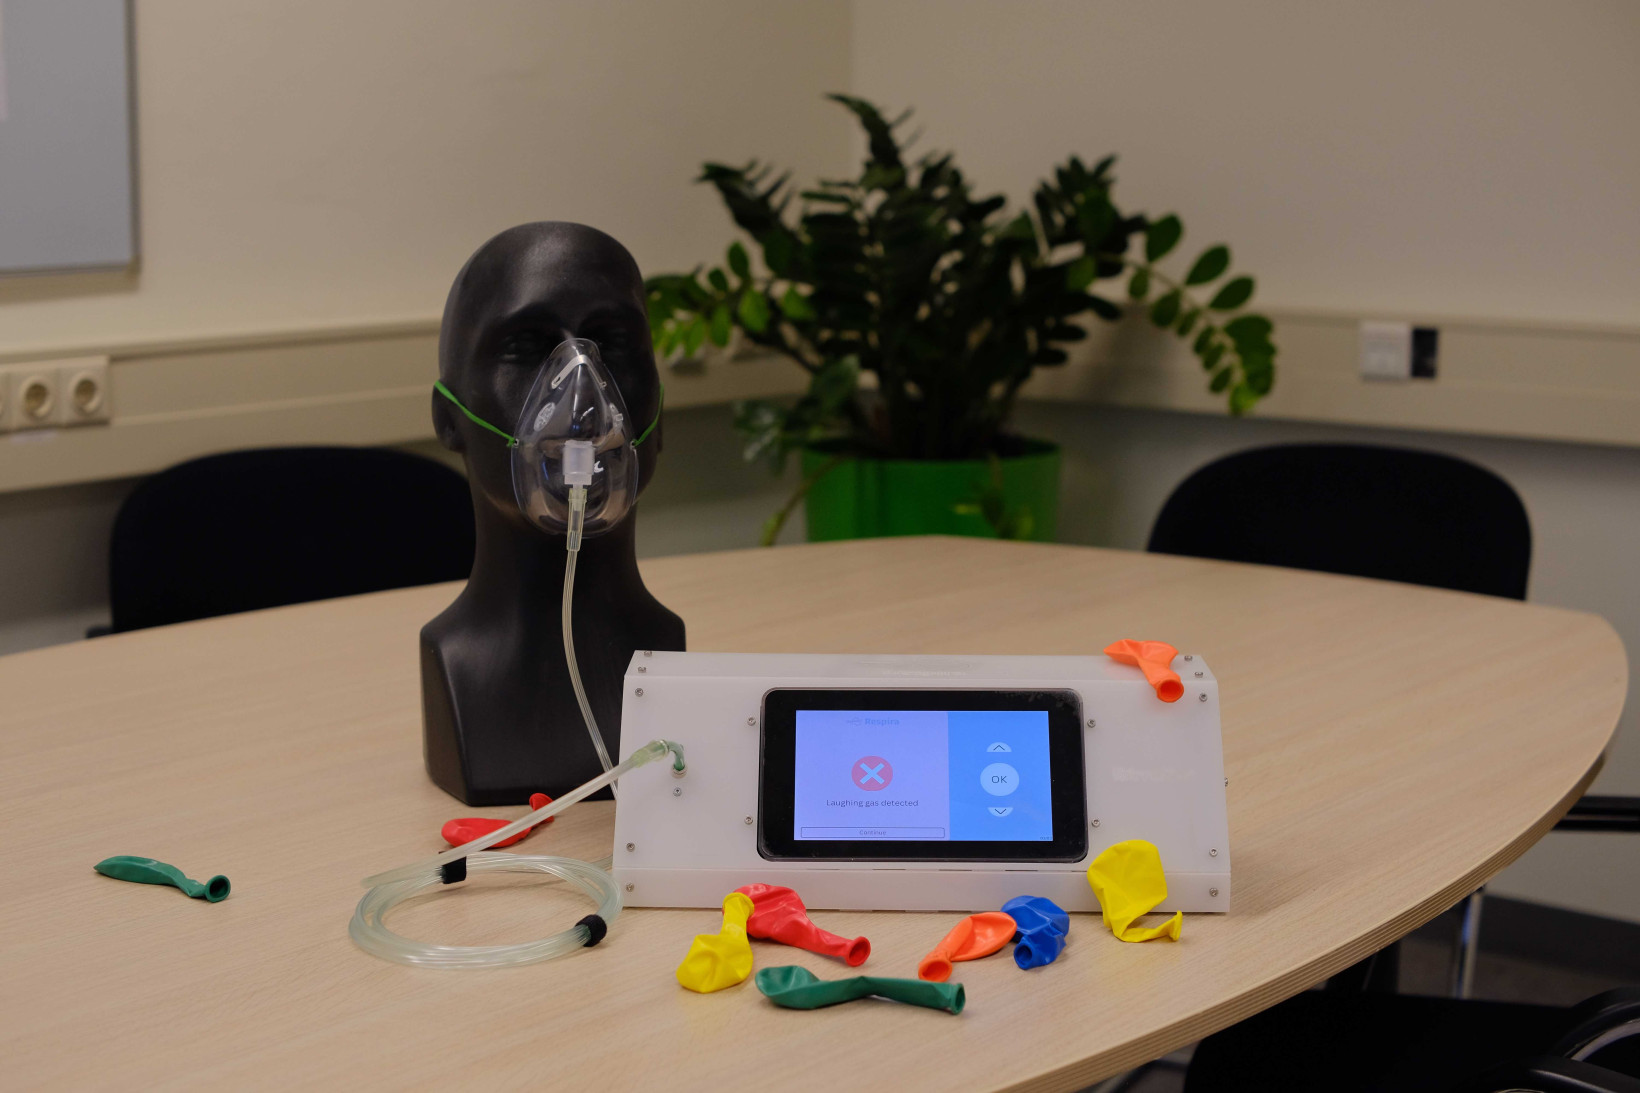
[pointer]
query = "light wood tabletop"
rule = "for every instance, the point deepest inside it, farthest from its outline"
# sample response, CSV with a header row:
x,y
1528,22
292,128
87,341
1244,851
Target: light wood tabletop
x,y
1389,748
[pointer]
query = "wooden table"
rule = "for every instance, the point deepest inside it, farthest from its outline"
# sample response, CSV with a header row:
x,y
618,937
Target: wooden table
x,y
1389,748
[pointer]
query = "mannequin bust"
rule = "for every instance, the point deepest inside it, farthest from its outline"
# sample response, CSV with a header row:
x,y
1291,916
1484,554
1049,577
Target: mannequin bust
x,y
499,717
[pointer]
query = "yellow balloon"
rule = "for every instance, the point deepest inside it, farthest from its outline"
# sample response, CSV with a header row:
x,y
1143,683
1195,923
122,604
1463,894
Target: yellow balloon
x,y
1128,882
720,960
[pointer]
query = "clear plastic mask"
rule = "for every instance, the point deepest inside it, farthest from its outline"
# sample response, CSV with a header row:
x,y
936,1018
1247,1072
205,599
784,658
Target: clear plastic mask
x,y
574,398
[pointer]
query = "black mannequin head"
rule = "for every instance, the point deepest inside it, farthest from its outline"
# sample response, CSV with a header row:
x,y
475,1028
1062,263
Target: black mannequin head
x,y
516,299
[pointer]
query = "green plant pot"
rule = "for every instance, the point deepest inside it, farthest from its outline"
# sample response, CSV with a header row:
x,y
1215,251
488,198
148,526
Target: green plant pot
x,y
867,498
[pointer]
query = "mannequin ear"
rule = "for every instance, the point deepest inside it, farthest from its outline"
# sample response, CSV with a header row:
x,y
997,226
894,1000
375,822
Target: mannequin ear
x,y
444,424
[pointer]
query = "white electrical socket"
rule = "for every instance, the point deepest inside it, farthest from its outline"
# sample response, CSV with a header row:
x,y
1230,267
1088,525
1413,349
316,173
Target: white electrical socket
x,y
82,391
1386,351
51,394
34,396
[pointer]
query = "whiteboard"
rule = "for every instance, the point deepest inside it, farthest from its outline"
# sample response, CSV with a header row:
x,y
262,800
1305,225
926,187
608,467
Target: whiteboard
x,y
66,198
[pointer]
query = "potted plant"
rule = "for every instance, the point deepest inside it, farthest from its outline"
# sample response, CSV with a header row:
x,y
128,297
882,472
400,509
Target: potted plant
x,y
918,311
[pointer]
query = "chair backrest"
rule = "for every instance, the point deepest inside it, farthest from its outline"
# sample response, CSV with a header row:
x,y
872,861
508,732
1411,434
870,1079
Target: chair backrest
x,y
268,527
1366,511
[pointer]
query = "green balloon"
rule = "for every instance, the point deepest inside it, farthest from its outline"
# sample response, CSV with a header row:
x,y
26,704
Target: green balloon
x,y
149,871
800,989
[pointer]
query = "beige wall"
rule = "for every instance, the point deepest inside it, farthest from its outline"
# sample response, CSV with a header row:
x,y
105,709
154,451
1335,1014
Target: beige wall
x,y
310,163
1464,158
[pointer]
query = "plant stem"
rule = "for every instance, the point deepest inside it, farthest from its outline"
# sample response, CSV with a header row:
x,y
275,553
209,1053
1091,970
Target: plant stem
x,y
773,525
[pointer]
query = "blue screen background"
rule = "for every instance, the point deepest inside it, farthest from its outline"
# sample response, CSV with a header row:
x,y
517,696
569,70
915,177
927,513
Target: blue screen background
x,y
942,762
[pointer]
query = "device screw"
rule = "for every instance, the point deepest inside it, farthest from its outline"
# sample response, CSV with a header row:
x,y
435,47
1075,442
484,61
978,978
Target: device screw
x,y
1198,674
677,791
1189,656
649,652
630,847
1096,823
642,668
1092,723
1213,853
748,819
639,693
629,887
1212,891
752,721
1227,783
1203,697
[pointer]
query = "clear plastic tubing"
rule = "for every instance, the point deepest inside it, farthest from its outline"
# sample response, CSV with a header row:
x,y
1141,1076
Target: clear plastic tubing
x,y
649,752
577,515
371,934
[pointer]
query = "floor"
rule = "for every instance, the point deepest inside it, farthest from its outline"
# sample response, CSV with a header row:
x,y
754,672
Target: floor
x,y
1424,969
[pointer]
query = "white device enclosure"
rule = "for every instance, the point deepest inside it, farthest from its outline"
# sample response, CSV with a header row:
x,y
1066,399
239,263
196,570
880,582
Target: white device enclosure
x,y
1154,771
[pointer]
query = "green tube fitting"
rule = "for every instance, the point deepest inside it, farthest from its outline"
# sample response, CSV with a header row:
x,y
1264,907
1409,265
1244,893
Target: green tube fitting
x,y
800,989
149,871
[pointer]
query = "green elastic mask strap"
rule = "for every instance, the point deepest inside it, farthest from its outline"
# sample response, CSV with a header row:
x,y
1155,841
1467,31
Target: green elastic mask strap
x,y
438,385
512,441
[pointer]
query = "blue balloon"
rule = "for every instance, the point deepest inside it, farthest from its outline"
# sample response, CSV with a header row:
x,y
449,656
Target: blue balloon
x,y
1043,926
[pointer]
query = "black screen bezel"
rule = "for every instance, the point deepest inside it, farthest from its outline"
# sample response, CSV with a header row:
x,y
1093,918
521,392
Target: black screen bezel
x,y
777,773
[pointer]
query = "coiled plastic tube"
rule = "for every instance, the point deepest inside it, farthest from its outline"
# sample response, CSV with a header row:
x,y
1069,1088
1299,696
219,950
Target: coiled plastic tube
x,y
372,935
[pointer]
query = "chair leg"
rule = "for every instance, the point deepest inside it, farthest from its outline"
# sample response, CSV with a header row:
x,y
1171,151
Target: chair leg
x,y
1466,950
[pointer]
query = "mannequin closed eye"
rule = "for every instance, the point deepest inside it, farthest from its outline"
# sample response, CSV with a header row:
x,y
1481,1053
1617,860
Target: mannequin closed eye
x,y
524,347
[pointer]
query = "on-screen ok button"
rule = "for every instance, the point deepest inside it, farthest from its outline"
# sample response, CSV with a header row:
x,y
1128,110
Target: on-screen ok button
x,y
999,779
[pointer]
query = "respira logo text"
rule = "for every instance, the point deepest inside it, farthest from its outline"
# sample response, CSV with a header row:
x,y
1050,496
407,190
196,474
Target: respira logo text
x,y
1152,774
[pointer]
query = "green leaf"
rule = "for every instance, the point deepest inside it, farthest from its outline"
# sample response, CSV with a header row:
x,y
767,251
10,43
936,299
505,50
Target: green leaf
x,y
721,325
719,280
1139,284
754,311
1187,321
693,335
1104,308
1242,398
1079,274
779,250
1232,295
1165,310
1247,330
1204,339
795,306
1212,264
1161,236
1210,359
1221,380
835,382
739,262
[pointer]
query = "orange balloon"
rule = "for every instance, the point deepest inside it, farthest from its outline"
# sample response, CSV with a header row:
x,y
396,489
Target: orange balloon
x,y
1155,660
975,936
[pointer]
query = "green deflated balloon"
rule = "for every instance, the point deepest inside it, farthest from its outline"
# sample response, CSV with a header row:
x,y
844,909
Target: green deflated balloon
x,y
149,871
800,989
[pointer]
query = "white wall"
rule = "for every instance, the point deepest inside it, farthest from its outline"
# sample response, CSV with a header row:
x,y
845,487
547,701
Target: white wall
x,y
311,163
1469,157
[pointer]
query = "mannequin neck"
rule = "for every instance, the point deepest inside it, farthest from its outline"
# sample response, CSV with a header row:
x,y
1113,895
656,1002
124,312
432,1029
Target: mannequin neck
x,y
518,569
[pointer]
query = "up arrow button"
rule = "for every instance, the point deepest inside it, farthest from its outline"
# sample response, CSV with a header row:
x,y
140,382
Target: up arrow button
x,y
1001,811
999,746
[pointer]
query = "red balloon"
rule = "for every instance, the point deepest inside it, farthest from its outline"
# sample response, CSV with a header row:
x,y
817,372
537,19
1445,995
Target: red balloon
x,y
461,831
779,915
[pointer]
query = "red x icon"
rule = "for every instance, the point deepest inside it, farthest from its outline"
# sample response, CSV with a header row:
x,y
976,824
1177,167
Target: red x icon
x,y
872,772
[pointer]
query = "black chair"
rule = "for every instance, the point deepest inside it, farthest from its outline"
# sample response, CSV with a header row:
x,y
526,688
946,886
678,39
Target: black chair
x,y
1366,511
268,527
1340,1043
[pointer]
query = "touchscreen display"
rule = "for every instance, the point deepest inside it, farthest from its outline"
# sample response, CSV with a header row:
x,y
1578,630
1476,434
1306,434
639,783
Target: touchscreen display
x,y
922,775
